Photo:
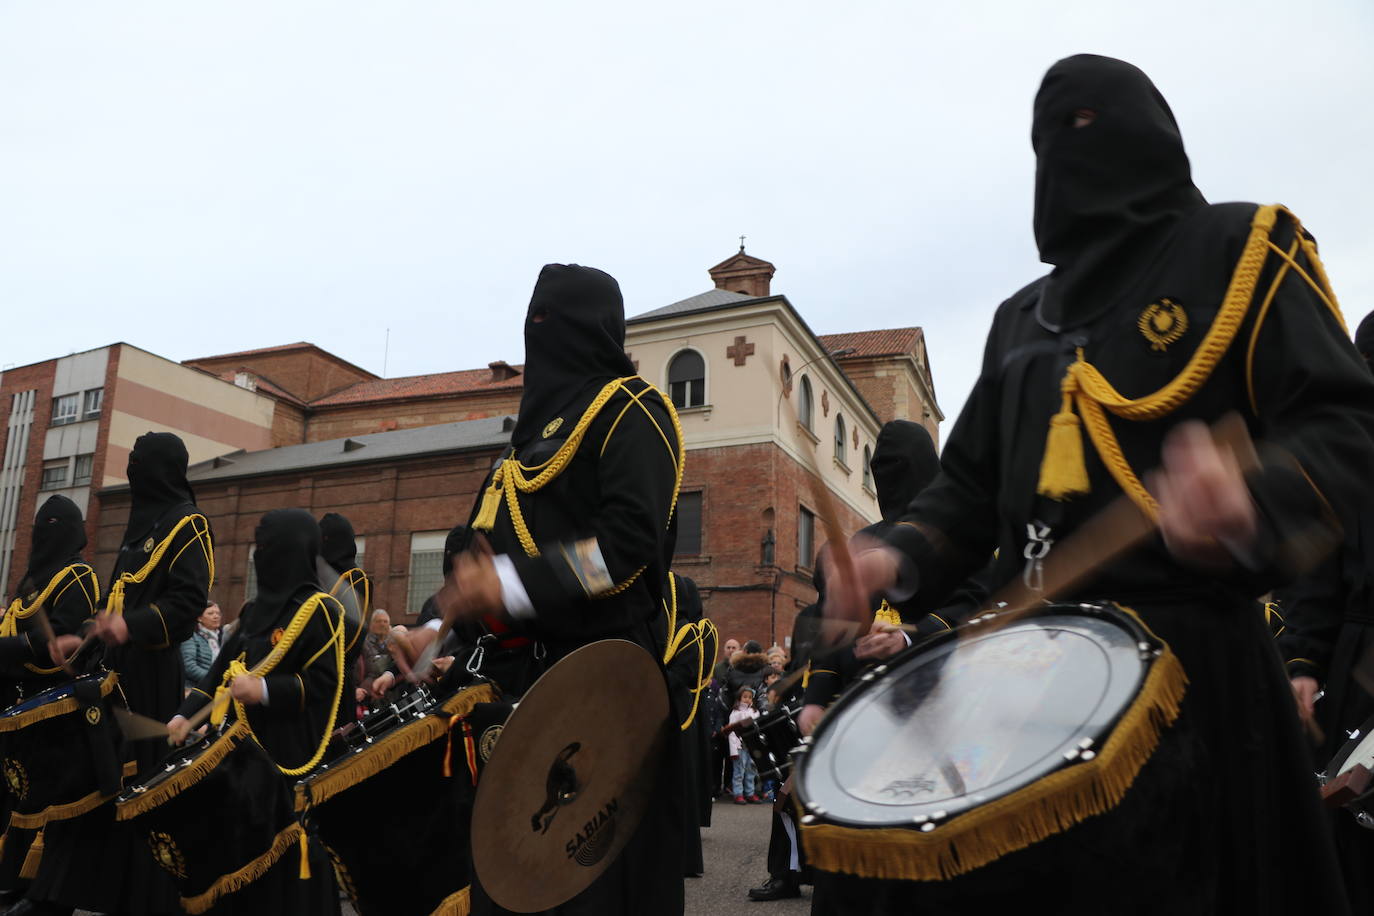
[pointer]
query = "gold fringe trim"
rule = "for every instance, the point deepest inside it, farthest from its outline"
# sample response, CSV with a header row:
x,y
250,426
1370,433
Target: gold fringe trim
x,y
59,812
29,870
183,778
1045,807
385,751
51,710
455,904
245,876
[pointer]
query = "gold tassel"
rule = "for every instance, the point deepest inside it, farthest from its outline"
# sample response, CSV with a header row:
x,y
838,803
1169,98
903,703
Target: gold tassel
x,y
456,904
887,614
1062,471
114,607
29,871
305,856
491,503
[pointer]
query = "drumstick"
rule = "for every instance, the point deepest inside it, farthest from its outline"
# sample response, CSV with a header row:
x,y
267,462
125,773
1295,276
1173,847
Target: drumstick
x,y
45,625
445,599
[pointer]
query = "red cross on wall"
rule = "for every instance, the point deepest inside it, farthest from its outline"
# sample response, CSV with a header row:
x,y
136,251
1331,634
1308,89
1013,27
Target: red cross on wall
x,y
741,351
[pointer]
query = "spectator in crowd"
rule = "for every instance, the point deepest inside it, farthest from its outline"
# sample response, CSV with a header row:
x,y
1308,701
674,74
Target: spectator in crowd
x,y
198,653
746,773
746,669
777,657
376,657
727,651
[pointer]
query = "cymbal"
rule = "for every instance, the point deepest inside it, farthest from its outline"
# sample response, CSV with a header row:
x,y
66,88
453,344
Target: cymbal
x,y
570,776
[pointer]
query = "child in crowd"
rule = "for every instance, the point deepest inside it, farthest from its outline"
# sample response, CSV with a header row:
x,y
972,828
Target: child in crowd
x,y
745,772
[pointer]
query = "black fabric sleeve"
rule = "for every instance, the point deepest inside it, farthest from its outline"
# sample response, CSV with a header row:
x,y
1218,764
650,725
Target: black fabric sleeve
x,y
309,674
171,617
1312,616
637,472
204,692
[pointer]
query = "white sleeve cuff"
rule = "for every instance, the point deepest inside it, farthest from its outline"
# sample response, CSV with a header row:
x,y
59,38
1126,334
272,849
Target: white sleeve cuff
x,y
264,692
907,637
513,594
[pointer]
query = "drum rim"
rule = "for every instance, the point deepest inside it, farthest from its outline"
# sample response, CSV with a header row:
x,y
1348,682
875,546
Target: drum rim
x,y
1114,613
1333,766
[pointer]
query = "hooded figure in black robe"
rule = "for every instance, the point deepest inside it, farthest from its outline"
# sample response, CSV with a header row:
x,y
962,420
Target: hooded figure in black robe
x,y
1328,619
454,543
68,589
302,695
92,861
1222,817
601,529
353,588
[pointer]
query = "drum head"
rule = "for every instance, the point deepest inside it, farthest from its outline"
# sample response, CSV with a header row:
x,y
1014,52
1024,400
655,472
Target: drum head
x,y
1358,750
971,719
570,777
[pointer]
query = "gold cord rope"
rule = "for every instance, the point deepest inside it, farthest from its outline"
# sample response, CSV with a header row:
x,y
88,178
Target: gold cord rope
x,y
200,526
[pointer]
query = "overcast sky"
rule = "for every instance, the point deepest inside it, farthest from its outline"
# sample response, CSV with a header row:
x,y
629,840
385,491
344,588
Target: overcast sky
x,y
195,178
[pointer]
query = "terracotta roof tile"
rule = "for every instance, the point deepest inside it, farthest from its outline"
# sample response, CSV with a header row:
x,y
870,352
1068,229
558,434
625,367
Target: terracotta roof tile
x,y
886,342
465,381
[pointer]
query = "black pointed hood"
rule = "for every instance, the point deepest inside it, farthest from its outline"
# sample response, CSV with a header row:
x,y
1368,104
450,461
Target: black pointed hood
x,y
286,543
1106,192
574,344
339,545
157,481
1364,339
59,535
904,463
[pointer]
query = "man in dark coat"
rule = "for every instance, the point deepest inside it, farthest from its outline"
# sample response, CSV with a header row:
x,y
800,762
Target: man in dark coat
x,y
159,587
578,513
1161,309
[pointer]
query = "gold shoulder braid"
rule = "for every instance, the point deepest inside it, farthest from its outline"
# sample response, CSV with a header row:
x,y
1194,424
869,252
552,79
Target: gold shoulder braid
x,y
511,477
18,611
1063,473
689,636
200,527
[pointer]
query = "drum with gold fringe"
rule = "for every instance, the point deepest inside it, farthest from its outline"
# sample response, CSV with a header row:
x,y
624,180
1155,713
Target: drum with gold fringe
x,y
983,741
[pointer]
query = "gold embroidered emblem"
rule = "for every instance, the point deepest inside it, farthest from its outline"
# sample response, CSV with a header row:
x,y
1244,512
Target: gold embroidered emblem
x,y
552,427
167,854
148,546
1163,323
16,779
487,743
93,715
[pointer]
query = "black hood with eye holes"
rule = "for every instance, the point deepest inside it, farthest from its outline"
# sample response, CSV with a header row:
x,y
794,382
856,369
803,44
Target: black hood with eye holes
x,y
904,463
157,481
286,543
59,534
1106,194
574,344
338,542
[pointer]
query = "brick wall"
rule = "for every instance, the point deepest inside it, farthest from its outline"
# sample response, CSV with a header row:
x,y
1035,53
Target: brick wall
x,y
39,377
288,424
307,373
379,416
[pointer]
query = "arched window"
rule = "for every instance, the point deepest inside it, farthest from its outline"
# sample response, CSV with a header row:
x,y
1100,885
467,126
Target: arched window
x,y
805,403
868,471
839,439
687,379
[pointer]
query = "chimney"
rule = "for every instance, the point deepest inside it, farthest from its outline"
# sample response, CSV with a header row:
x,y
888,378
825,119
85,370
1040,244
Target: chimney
x,y
744,274
502,370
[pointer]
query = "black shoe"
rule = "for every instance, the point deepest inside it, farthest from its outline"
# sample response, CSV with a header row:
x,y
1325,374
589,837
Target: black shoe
x,y
777,888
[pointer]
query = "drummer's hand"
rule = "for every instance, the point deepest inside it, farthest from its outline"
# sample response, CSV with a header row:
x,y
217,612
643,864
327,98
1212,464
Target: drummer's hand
x,y
382,683
62,647
359,695
247,689
180,728
810,717
875,571
112,629
477,585
443,663
1204,505
882,642
1305,690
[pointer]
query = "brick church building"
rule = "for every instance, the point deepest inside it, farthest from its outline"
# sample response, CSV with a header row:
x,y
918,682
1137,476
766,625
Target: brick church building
x,y
766,406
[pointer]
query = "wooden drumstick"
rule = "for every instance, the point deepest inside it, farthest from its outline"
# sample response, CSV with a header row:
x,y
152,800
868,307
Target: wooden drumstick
x,y
445,598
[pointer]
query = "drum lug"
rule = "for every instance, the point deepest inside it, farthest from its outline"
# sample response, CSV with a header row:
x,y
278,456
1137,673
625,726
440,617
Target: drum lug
x,y
880,671
808,819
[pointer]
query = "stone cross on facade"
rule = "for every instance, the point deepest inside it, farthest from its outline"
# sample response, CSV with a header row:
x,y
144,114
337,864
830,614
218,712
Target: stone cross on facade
x,y
741,351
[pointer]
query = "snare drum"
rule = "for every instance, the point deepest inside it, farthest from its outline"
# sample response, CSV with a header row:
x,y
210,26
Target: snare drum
x,y
1345,786
393,809
216,816
59,751
770,740
983,741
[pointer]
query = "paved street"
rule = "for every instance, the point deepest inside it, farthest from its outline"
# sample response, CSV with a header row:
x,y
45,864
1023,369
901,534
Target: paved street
x,y
736,847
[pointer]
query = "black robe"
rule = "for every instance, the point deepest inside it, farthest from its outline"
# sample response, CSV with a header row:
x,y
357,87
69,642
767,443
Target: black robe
x,y
94,862
618,488
1224,817
303,700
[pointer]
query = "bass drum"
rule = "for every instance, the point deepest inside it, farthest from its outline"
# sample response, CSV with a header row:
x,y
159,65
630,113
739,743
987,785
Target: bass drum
x,y
983,741
393,808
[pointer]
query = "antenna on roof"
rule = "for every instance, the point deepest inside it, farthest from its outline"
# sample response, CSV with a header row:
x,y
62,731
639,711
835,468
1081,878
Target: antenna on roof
x,y
386,351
